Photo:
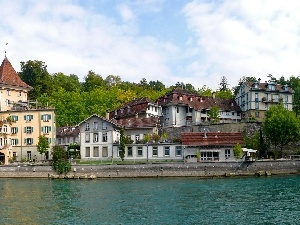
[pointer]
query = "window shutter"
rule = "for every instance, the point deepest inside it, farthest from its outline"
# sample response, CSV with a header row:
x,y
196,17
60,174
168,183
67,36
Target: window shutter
x,y
31,129
17,129
24,117
24,129
24,140
49,117
17,118
49,128
42,116
31,139
49,140
43,130
17,141
31,117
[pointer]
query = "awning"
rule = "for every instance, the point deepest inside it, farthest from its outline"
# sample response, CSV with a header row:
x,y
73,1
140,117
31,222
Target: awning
x,y
249,150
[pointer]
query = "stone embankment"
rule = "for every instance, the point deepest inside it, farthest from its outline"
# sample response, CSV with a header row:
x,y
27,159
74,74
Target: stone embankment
x,y
201,169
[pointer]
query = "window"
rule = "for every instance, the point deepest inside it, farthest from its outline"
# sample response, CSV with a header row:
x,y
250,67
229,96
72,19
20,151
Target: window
x,y
104,137
14,118
129,151
266,106
28,130
227,153
178,150
256,97
20,94
87,152
87,127
154,151
286,98
4,129
46,129
104,151
95,137
87,137
46,117
104,125
95,126
177,109
96,151
137,137
140,151
28,118
49,140
14,141
8,92
28,141
167,151
256,105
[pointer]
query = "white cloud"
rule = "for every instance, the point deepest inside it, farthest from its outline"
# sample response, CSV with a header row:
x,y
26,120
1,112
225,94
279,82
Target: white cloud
x,y
251,38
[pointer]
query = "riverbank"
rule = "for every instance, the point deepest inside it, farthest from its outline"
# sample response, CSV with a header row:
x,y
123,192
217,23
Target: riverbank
x,y
201,169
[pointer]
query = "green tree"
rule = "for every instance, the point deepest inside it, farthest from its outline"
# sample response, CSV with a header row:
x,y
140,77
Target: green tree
x,y
281,127
122,144
205,91
42,145
237,150
68,83
214,114
92,80
60,161
35,74
296,101
223,84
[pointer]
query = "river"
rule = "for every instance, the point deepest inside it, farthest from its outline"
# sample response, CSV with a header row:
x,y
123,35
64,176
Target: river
x,y
255,200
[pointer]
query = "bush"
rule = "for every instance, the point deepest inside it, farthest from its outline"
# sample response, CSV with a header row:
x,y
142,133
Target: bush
x,y
60,161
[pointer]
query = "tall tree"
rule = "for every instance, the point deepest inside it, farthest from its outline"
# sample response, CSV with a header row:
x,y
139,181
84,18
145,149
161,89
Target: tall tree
x,y
92,80
42,145
69,83
214,114
223,84
281,127
36,75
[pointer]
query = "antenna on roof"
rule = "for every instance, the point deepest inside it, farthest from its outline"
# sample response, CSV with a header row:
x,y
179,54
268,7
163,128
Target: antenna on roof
x,y
5,50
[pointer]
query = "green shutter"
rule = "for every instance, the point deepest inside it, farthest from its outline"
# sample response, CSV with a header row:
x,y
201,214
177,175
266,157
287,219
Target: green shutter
x,y
24,140
49,117
17,141
17,129
49,140
24,129
31,117
42,129
25,117
49,129
31,129
17,118
31,141
42,117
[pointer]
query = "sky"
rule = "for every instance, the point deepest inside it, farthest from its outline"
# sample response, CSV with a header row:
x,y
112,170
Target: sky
x,y
189,41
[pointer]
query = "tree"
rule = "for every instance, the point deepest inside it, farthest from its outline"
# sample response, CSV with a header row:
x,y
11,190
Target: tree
x,y
35,74
92,80
226,94
296,101
237,150
214,114
60,161
205,91
122,144
223,84
281,127
42,145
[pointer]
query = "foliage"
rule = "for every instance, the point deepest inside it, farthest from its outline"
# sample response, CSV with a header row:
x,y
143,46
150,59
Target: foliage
x,y
223,85
224,94
296,101
205,91
237,150
155,137
281,127
213,113
42,144
122,144
60,162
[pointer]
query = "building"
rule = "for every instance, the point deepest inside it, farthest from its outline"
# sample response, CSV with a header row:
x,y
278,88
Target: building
x,y
22,121
210,146
255,98
184,108
67,135
137,108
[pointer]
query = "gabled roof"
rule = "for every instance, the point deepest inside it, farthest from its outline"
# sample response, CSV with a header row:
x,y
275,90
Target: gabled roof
x,y
184,97
8,75
131,108
212,138
100,117
138,122
264,87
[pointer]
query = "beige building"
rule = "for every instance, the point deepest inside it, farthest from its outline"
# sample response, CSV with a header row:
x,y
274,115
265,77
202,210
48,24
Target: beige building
x,y
254,98
21,121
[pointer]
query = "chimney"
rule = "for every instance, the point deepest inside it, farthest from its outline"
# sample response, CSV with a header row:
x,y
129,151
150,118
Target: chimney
x,y
136,115
107,115
214,94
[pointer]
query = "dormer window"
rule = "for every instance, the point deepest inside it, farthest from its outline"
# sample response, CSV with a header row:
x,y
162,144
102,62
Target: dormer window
x,y
8,92
256,85
128,109
116,112
180,98
190,99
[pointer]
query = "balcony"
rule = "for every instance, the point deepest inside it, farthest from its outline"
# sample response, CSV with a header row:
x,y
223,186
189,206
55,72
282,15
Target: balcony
x,y
269,100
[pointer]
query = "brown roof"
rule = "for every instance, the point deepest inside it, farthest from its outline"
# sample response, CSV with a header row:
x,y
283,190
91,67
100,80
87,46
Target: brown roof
x,y
131,108
264,87
212,138
8,75
138,122
184,97
67,131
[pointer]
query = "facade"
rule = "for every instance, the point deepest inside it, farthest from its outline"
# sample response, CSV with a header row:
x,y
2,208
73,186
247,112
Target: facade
x,y
22,121
97,137
184,108
67,135
137,108
255,98
210,146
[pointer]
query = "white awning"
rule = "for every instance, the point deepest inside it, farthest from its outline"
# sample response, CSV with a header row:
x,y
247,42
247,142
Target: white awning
x,y
249,150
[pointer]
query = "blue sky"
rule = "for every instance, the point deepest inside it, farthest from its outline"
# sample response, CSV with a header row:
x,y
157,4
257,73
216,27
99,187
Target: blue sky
x,y
195,41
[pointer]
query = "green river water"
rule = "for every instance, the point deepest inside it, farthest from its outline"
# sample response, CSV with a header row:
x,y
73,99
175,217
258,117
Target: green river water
x,y
255,200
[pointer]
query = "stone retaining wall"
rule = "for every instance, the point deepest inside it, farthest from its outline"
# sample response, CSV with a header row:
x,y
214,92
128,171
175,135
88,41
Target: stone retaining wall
x,y
203,169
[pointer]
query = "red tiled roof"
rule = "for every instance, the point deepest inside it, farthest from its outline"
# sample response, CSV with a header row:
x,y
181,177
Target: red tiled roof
x,y
212,138
184,97
8,75
131,108
138,122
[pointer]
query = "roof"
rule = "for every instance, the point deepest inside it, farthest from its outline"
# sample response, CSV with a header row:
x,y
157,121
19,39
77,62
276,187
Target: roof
x,y
138,122
8,75
131,108
67,131
264,87
184,97
212,138
100,117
